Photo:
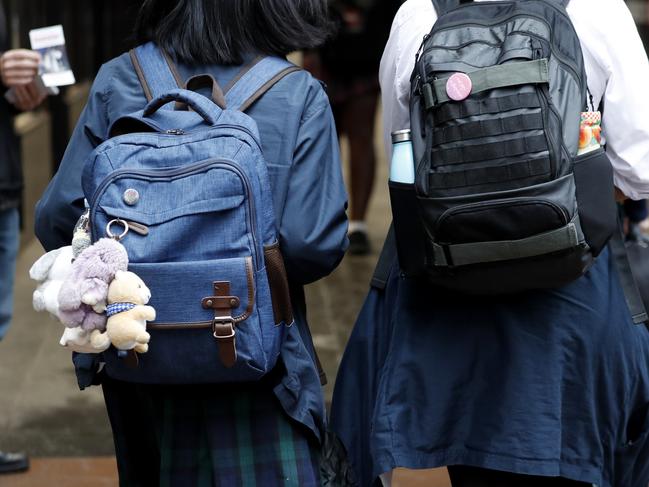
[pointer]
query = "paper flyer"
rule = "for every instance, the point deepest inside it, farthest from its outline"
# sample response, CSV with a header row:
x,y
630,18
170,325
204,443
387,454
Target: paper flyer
x,y
55,66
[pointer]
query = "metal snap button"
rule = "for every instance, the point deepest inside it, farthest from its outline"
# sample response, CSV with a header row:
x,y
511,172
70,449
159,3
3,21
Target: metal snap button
x,y
131,196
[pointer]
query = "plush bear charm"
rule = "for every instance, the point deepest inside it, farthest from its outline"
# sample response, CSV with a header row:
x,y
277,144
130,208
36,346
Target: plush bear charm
x,y
50,270
127,315
82,298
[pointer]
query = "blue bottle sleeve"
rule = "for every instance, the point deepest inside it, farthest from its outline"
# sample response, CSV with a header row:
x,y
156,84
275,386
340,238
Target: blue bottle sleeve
x,y
402,166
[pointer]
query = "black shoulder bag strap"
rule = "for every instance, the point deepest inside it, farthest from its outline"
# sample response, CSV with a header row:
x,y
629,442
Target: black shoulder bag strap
x,y
386,259
627,281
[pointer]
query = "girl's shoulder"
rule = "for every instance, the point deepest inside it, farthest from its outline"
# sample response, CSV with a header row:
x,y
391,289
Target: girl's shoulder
x,y
118,85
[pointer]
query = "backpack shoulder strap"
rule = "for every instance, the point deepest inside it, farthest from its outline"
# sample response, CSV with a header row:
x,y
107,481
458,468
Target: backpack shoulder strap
x,y
444,6
155,70
563,3
255,79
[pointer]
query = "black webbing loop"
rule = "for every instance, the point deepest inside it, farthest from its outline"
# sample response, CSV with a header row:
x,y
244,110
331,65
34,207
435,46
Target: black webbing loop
x,y
469,108
488,128
495,150
488,175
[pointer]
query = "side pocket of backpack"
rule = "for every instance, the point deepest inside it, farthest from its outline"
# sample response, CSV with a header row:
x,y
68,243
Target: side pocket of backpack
x,y
408,228
593,175
278,282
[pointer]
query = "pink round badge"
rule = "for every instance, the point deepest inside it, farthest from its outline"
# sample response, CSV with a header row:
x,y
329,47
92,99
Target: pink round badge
x,y
459,86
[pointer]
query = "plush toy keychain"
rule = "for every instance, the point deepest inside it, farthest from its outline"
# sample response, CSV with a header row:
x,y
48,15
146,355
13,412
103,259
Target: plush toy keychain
x,y
127,315
87,285
51,271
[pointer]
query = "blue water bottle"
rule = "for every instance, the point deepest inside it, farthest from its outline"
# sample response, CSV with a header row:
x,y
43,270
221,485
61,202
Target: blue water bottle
x,y
402,167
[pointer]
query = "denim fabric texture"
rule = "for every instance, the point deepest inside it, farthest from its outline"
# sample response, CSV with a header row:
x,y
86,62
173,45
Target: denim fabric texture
x,y
9,238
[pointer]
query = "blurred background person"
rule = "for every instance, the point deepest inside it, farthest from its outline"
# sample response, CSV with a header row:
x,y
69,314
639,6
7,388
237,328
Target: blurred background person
x,y
349,64
18,71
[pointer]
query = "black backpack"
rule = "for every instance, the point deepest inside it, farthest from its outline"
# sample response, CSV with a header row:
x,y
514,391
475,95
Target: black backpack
x,y
502,203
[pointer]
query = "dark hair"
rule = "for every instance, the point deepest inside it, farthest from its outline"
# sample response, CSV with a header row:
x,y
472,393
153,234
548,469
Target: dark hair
x,y
223,31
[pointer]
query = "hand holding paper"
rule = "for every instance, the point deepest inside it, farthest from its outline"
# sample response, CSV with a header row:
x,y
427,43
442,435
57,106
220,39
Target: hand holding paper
x,y
55,66
28,97
19,67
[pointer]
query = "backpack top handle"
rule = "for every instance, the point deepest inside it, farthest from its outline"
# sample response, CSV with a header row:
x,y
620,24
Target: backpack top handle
x,y
210,112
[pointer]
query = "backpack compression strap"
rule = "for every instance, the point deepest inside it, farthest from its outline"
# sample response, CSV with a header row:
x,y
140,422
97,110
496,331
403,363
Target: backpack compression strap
x,y
155,70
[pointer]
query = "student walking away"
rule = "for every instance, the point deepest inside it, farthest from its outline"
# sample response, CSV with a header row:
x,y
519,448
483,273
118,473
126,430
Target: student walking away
x,y
18,69
507,344
348,64
215,203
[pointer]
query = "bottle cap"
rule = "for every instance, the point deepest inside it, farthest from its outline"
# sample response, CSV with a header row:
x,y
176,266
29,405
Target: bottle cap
x,y
401,136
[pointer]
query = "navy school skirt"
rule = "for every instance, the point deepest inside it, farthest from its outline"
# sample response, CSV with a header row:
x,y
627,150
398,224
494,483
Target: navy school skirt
x,y
208,435
550,383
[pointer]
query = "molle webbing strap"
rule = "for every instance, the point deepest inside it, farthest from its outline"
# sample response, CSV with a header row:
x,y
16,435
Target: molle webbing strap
x,y
500,76
487,175
487,128
469,108
155,70
502,250
494,150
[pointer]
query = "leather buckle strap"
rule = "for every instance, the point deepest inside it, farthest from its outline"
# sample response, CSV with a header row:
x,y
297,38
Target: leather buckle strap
x,y
225,334
223,324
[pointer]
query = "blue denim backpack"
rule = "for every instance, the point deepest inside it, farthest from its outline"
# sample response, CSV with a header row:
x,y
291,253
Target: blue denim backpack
x,y
183,184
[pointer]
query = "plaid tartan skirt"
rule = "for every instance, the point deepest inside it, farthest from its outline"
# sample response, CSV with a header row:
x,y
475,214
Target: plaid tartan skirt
x,y
216,435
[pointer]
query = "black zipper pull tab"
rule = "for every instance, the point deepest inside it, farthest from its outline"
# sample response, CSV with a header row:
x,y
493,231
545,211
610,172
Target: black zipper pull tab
x,y
175,132
421,47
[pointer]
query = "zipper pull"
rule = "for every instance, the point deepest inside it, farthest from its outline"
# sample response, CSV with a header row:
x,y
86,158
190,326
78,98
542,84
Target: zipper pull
x,y
175,132
138,228
421,47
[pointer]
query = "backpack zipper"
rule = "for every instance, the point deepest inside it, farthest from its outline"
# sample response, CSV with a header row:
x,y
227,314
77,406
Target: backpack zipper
x,y
175,173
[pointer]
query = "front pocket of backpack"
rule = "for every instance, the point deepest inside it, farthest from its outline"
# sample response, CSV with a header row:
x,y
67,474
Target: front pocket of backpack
x,y
182,347
200,212
500,220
